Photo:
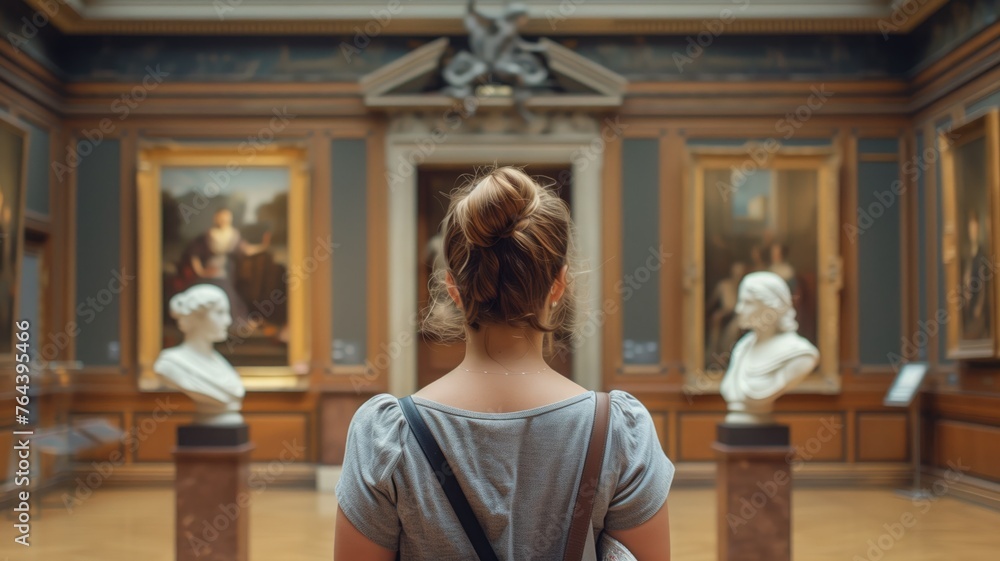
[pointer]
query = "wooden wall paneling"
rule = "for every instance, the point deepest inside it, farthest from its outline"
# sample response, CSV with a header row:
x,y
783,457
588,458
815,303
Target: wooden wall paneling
x,y
849,344
726,99
957,113
673,419
213,108
128,421
970,407
866,88
662,426
968,444
850,419
50,416
28,83
277,437
752,127
945,71
153,435
335,414
611,202
817,437
104,452
7,460
931,103
60,312
695,435
378,254
882,437
281,91
979,379
280,437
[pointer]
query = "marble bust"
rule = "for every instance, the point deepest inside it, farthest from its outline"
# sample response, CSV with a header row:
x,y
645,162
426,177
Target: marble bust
x,y
195,367
771,358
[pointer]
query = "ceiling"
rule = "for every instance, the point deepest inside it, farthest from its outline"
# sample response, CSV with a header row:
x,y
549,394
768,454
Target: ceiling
x,y
442,17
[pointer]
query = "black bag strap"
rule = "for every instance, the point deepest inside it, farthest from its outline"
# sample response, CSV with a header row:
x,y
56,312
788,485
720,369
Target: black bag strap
x,y
448,481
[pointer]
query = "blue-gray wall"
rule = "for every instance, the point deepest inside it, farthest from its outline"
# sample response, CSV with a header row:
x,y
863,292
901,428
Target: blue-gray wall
x,y
349,217
38,170
879,210
924,268
640,235
98,260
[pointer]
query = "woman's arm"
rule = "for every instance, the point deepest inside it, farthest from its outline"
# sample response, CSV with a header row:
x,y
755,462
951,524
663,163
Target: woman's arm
x,y
350,544
251,249
197,267
649,541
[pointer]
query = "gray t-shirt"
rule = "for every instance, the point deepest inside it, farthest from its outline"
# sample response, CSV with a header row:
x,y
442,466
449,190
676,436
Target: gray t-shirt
x,y
519,471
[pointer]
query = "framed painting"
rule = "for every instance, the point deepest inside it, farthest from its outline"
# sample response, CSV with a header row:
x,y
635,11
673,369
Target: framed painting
x,y
214,215
777,214
13,163
970,173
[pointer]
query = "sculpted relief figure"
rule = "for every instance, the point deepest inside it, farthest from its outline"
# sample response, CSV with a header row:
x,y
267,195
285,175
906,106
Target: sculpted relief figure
x,y
195,367
772,358
498,52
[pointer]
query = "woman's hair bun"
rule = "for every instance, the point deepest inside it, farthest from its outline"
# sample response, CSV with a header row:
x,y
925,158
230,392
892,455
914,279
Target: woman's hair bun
x,y
498,207
506,242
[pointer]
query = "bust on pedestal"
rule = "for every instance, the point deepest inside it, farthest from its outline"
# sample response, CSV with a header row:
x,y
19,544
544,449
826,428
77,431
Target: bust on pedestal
x,y
752,450
213,453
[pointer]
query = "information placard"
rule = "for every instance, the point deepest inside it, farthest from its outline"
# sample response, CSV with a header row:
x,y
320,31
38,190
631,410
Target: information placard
x,y
906,385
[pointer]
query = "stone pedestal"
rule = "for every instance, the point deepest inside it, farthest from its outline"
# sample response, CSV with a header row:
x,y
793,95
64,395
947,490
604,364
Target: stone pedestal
x,y
754,485
213,498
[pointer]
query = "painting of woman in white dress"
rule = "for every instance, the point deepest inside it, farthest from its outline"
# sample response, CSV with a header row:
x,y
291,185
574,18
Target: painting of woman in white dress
x,y
236,240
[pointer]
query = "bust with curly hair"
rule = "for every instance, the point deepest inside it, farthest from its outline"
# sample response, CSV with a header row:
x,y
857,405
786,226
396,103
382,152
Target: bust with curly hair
x,y
771,358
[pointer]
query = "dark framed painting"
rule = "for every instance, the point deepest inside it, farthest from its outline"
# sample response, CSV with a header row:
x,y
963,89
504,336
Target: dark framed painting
x,y
743,215
239,222
970,157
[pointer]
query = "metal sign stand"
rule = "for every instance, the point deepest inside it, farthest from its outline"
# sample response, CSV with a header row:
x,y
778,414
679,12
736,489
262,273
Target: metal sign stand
x,y
905,392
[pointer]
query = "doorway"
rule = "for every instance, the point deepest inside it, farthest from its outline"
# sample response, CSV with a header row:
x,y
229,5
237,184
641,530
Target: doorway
x,y
434,185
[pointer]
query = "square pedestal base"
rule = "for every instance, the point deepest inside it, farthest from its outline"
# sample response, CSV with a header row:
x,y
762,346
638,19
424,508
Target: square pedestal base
x,y
213,502
754,486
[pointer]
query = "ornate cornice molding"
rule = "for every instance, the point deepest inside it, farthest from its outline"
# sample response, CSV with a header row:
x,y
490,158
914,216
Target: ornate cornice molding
x,y
548,18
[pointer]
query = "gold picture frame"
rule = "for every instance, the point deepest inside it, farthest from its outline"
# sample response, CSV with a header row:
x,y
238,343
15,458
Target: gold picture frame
x,y
970,174
719,169
231,162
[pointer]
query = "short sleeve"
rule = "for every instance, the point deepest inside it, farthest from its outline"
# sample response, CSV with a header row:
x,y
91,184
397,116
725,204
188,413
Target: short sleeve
x,y
366,492
644,472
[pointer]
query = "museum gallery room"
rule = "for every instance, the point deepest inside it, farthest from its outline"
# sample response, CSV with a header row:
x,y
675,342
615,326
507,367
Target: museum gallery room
x,y
228,226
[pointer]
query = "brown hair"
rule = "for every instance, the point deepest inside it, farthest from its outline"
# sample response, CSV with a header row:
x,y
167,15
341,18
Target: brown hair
x,y
505,240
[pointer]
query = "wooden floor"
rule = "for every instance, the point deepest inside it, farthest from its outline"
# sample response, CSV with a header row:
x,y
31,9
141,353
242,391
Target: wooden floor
x,y
297,525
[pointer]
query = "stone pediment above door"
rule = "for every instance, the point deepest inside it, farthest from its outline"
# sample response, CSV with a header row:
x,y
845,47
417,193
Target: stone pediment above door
x,y
415,81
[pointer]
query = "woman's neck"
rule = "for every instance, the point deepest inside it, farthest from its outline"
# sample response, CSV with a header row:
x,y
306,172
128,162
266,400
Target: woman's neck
x,y
502,347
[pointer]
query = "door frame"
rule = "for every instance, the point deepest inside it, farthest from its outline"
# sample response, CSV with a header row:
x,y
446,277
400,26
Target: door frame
x,y
406,151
